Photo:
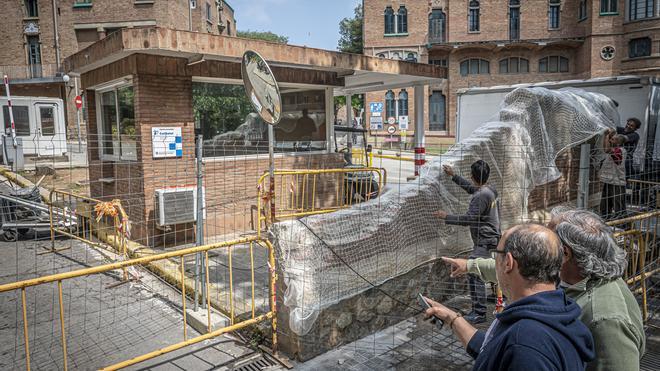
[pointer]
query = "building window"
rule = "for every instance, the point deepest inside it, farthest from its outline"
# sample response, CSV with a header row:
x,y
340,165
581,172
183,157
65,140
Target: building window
x,y
475,67
209,16
403,103
640,9
117,134
437,107
411,57
402,20
82,3
381,55
34,56
389,21
21,119
514,65
390,105
609,7
640,47
554,8
396,56
442,62
437,26
32,8
473,16
582,10
553,64
231,127
228,28
514,19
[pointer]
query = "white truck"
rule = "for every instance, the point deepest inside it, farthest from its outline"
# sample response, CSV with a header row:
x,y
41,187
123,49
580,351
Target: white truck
x,y
637,97
39,122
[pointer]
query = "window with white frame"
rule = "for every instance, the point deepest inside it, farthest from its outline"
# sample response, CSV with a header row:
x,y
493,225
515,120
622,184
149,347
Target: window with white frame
x,y
116,123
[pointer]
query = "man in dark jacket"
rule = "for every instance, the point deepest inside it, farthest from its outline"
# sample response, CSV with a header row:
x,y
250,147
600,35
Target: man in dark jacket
x,y
632,138
540,328
484,221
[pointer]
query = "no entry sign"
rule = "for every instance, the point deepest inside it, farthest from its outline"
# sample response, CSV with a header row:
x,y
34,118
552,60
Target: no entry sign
x,y
78,101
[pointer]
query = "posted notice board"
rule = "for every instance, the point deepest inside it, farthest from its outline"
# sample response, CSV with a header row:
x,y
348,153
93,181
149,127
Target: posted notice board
x,y
167,142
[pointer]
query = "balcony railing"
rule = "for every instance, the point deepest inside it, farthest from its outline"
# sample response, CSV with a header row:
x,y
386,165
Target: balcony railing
x,y
31,71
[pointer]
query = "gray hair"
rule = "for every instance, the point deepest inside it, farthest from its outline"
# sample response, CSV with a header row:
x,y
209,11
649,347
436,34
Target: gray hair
x,y
538,252
594,249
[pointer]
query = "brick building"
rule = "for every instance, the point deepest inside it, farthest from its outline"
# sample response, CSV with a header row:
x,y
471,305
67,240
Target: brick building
x,y
503,42
36,37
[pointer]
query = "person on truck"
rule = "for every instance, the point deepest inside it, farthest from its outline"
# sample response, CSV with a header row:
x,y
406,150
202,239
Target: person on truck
x,y
632,138
484,221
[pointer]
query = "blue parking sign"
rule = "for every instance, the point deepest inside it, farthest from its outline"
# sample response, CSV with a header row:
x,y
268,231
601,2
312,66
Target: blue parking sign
x,y
376,107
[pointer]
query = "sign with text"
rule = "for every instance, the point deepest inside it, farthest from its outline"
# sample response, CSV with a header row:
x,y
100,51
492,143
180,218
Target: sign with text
x,y
376,123
376,107
167,142
403,122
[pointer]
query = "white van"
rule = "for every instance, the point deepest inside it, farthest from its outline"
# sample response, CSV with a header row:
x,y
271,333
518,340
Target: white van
x,y
39,122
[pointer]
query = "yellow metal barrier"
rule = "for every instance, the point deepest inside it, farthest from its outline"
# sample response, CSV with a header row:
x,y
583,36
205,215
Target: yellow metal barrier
x,y
637,235
397,157
309,192
58,278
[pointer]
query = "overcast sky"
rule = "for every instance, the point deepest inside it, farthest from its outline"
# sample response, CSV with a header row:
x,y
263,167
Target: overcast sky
x,y
314,23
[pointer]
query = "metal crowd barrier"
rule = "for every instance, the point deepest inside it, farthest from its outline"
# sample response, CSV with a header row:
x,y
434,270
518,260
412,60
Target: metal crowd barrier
x,y
637,235
300,192
235,324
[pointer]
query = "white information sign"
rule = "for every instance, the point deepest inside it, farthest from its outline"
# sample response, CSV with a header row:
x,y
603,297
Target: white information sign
x,y
403,122
167,142
376,123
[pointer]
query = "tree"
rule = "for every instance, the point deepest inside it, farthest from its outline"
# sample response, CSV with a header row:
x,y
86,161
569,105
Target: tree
x,y
350,31
263,35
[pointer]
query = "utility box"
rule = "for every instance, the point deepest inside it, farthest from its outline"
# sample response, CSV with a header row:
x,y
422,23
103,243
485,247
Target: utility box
x,y
13,156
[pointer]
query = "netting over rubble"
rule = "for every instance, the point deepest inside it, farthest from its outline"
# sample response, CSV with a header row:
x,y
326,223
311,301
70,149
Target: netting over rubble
x,y
391,235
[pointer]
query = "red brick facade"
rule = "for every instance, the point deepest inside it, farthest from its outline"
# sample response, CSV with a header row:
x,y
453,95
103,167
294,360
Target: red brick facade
x,y
580,41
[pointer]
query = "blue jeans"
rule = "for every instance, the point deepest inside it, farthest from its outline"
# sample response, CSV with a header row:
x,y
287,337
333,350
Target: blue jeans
x,y
476,286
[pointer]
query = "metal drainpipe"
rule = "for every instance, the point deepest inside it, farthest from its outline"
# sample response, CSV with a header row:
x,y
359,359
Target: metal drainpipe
x,y
57,36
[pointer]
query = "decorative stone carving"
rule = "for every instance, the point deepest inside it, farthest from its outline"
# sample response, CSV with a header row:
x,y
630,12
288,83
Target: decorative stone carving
x,y
31,28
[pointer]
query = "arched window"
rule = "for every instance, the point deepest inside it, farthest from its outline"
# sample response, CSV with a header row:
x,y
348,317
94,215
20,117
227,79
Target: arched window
x,y
475,66
411,57
554,8
437,26
553,64
402,20
390,105
514,19
514,65
437,107
381,55
389,20
473,16
403,103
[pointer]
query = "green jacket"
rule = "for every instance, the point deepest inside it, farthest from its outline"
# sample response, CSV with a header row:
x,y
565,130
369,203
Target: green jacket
x,y
609,310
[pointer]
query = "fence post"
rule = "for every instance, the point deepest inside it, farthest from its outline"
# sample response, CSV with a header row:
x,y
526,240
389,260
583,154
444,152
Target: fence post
x,y
199,274
583,180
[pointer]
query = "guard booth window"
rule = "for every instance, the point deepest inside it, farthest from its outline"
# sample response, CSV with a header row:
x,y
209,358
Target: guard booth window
x,y
117,134
21,119
230,127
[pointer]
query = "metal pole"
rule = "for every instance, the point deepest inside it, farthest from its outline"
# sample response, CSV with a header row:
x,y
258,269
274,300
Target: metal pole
x,y
583,182
57,36
271,170
419,128
78,113
349,123
200,224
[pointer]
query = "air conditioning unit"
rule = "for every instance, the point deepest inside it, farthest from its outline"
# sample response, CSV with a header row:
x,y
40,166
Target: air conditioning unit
x,y
176,205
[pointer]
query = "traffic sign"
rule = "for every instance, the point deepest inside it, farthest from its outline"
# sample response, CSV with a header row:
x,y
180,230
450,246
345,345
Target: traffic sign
x,y
391,129
78,101
391,120
403,122
376,107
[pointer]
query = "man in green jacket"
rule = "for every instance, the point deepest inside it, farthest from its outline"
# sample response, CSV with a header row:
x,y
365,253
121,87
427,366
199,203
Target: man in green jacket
x,y
591,275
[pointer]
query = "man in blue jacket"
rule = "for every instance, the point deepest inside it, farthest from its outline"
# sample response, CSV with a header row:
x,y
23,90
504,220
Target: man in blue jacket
x,y
540,328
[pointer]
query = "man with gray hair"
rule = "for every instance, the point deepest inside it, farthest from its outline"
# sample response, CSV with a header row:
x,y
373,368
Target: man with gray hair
x,y
591,273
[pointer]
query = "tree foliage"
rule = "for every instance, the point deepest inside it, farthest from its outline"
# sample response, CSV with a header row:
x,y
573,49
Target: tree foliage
x,y
350,32
263,35
219,108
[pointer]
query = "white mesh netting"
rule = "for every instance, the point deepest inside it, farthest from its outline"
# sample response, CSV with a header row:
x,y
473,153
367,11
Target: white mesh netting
x,y
391,235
